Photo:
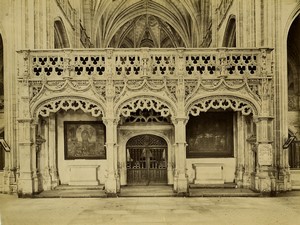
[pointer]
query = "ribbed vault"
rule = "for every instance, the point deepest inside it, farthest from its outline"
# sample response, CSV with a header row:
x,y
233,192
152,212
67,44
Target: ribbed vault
x,y
148,23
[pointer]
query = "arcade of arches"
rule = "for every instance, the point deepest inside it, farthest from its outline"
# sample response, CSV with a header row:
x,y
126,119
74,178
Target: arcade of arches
x,y
149,92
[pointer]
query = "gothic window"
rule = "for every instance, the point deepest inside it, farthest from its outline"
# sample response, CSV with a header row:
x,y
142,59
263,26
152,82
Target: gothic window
x,y
210,135
60,35
230,33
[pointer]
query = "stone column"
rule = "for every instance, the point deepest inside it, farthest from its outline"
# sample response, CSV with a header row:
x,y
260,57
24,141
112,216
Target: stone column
x,y
240,149
44,156
179,121
52,151
265,152
112,185
180,177
25,148
264,173
25,136
34,158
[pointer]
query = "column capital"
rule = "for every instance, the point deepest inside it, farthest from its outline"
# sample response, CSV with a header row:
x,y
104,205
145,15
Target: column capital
x,y
107,120
262,117
176,120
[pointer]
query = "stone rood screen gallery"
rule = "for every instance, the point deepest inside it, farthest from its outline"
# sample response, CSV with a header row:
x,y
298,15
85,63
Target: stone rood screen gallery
x,y
149,92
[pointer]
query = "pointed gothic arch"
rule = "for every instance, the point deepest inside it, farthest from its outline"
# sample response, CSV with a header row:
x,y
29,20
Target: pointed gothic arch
x,y
293,87
293,64
61,39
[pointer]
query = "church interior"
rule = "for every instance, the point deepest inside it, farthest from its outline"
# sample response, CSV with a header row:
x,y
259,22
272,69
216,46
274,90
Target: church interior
x,y
178,93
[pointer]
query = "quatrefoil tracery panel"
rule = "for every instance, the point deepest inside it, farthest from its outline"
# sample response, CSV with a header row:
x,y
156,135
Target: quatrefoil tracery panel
x,y
222,103
55,105
141,104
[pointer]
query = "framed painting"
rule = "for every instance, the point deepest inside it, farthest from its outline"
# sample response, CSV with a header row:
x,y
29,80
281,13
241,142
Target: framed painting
x,y
210,135
84,140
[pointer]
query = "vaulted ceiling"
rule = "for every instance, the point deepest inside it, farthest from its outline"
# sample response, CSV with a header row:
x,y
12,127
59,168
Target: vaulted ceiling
x,y
148,23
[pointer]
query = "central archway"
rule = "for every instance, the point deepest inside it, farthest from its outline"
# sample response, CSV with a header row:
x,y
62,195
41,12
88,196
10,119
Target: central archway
x,y
146,160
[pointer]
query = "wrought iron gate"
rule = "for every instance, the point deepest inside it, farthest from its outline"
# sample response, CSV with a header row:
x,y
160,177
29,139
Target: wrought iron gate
x,y
146,160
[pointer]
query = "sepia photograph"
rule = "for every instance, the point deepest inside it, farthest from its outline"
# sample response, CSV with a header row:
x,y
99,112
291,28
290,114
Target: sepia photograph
x,y
156,112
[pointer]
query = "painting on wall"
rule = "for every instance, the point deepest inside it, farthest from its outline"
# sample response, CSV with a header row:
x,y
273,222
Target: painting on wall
x,y
210,135
84,140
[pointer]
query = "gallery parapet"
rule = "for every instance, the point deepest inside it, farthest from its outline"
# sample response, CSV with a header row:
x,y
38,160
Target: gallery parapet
x,y
119,63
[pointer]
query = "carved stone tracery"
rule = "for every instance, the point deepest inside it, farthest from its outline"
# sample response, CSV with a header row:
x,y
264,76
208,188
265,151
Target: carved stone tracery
x,y
144,103
222,102
147,116
74,103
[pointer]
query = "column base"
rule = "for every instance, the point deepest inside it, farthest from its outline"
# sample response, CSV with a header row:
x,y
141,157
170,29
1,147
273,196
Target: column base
x,y
25,188
111,187
46,180
54,178
182,186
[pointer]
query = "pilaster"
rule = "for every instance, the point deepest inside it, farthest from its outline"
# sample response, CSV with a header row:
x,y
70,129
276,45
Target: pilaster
x,y
25,134
52,151
44,156
25,148
265,152
180,177
239,130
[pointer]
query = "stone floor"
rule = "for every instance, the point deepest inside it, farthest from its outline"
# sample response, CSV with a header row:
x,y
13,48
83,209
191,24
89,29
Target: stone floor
x,y
282,210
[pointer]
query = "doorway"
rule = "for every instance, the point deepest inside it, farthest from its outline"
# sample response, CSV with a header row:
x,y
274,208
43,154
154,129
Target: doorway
x,y
146,160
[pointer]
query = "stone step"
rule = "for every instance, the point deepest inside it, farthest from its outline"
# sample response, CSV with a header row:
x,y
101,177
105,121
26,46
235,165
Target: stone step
x,y
79,187
64,191
226,192
147,191
225,185
72,194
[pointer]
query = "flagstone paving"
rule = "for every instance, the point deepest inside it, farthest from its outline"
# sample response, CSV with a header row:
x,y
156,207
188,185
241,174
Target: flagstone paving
x,y
282,210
